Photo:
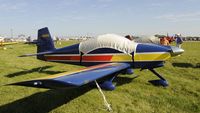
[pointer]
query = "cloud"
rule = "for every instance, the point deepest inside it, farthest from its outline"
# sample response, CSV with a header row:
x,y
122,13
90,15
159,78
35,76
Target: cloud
x,y
156,4
17,7
180,17
191,0
105,0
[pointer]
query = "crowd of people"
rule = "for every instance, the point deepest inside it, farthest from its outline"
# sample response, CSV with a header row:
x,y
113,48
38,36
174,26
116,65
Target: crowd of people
x,y
167,40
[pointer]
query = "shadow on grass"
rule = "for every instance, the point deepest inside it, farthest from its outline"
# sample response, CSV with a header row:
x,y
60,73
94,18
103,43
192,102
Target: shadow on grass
x,y
38,69
123,80
186,65
43,102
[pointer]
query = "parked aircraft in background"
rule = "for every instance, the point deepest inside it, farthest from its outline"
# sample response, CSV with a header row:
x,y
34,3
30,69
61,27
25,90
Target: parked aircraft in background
x,y
7,43
2,43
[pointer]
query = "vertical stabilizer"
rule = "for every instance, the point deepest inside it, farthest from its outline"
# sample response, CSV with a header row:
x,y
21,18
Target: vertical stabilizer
x,y
44,42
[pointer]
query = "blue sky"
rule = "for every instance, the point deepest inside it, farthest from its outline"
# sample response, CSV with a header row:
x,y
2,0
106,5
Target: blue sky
x,y
93,17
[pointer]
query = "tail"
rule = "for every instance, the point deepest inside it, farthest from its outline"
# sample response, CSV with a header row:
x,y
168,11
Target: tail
x,y
44,42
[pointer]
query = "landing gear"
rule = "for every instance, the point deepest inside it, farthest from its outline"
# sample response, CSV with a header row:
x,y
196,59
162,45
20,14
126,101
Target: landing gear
x,y
162,82
129,71
107,85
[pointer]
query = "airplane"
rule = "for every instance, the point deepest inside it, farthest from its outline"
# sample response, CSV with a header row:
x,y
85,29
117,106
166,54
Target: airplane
x,y
2,43
105,57
7,43
29,40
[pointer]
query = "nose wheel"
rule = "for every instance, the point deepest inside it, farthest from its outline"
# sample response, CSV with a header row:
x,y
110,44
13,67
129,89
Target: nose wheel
x,y
161,82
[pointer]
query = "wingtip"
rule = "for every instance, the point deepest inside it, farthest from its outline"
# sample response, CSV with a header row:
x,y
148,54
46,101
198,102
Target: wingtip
x,y
27,55
22,56
27,83
49,84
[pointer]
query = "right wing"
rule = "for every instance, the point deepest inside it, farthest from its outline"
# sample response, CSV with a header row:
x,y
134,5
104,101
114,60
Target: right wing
x,y
77,78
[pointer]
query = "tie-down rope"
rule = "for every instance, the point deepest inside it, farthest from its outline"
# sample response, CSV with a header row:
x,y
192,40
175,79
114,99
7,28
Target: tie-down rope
x,y
104,98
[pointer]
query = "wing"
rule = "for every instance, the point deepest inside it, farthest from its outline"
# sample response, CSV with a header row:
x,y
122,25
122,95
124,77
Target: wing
x,y
77,78
7,43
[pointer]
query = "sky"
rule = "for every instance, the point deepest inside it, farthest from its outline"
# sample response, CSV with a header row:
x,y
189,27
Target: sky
x,y
95,17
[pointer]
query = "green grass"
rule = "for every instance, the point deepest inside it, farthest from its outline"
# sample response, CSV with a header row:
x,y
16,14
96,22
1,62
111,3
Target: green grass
x,y
132,95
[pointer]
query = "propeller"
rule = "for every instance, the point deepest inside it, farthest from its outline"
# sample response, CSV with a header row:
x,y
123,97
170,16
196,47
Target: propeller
x,y
176,51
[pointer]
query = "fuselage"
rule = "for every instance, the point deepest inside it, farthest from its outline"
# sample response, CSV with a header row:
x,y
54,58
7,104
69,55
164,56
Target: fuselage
x,y
145,56
105,49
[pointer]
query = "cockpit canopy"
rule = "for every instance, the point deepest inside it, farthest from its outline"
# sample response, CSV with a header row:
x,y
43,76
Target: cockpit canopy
x,y
113,41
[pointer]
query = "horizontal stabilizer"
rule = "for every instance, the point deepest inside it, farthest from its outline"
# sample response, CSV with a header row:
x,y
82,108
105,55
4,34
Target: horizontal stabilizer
x,y
76,78
41,53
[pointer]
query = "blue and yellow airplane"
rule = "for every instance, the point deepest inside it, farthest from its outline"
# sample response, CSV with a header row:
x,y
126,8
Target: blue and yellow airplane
x,y
105,56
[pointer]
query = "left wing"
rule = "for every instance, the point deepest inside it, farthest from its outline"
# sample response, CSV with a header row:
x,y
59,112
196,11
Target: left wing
x,y
7,43
77,78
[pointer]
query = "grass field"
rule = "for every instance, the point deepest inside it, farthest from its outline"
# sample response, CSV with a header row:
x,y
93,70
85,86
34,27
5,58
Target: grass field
x,y
132,95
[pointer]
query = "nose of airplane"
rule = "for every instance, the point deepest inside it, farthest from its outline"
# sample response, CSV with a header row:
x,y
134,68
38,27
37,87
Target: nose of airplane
x,y
176,51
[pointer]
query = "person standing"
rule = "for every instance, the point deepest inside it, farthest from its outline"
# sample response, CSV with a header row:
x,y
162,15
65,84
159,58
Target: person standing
x,y
130,37
164,41
179,40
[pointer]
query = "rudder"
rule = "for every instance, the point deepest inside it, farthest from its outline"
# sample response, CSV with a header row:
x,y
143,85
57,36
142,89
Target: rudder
x,y
45,42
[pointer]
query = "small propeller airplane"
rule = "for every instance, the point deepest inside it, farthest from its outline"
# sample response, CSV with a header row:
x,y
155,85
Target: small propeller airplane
x,y
7,43
105,56
2,43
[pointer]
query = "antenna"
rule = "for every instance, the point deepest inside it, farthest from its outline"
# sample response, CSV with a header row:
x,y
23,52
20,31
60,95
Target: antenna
x,y
11,33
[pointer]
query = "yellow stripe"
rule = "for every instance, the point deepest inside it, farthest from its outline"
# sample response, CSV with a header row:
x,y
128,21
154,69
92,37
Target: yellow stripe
x,y
60,74
152,57
45,35
121,57
141,57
